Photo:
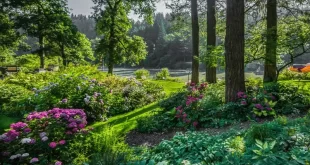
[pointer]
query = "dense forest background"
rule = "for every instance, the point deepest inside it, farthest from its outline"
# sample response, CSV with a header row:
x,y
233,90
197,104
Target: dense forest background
x,y
168,44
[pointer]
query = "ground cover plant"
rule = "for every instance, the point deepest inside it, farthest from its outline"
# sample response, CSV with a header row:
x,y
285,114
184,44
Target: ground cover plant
x,y
282,141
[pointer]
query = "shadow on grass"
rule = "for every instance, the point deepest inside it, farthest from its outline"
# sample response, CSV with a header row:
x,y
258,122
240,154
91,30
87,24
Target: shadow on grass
x,y
5,122
125,119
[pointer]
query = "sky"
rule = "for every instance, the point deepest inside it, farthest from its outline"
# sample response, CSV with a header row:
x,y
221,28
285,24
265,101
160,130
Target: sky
x,y
85,7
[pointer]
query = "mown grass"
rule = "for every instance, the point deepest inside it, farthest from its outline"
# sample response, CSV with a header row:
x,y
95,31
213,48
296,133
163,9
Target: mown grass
x,y
5,122
124,123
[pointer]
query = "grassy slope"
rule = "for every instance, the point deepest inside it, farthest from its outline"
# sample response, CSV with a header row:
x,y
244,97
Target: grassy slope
x,y
122,123
5,122
126,122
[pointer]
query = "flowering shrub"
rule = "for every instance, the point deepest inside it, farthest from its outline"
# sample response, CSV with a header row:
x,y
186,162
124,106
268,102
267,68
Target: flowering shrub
x,y
260,101
42,137
188,116
83,87
99,98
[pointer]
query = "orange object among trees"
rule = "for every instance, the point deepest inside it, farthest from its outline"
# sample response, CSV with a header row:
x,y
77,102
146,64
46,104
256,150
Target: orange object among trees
x,y
303,68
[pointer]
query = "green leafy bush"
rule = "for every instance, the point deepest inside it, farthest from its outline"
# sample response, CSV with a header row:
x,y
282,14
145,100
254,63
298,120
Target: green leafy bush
x,y
174,100
14,100
104,146
162,74
158,122
290,75
142,74
83,87
268,143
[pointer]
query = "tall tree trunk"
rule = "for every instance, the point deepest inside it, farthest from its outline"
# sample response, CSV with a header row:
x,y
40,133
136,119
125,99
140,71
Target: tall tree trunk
x,y
110,68
234,49
270,73
195,42
211,42
63,55
41,51
112,40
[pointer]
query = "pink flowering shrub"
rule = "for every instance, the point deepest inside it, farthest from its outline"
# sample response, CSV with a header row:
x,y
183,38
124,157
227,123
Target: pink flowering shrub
x,y
42,137
261,102
188,115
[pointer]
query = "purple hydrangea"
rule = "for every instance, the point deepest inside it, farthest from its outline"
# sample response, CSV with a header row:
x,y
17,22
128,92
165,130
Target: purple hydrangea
x,y
27,130
10,136
18,126
43,134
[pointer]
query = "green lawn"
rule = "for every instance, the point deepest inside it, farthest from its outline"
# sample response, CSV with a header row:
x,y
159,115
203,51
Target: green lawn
x,y
125,122
169,86
5,122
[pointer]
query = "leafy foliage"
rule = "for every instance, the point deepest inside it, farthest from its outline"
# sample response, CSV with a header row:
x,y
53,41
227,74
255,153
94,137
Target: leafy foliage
x,y
272,144
43,137
83,87
142,74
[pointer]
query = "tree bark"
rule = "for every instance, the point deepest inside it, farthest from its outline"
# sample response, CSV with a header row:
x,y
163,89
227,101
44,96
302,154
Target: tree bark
x,y
63,55
41,51
270,73
195,42
112,40
234,50
211,42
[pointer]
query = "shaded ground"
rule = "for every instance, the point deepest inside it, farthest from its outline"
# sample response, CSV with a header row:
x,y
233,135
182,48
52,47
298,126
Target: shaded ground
x,y
5,122
135,138
126,122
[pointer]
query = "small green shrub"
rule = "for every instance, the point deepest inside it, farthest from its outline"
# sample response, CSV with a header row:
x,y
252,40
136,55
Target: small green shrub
x,y
175,100
142,74
282,120
290,75
263,132
236,145
162,74
156,123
